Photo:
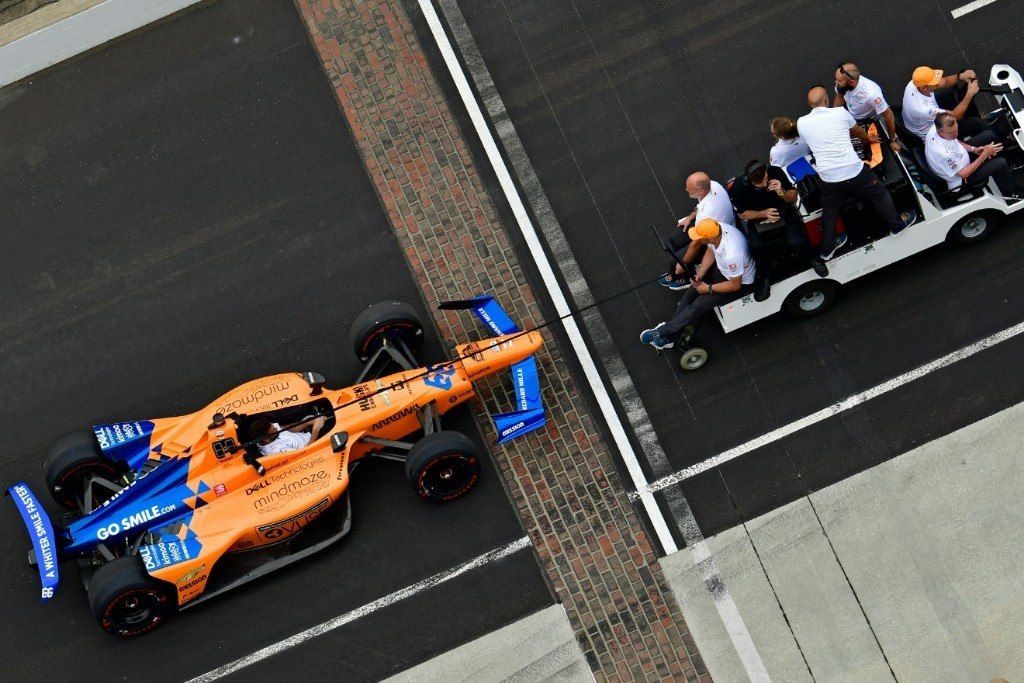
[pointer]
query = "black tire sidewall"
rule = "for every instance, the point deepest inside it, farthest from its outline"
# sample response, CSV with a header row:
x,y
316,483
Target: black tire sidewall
x,y
957,236
435,448
119,579
69,460
386,316
792,303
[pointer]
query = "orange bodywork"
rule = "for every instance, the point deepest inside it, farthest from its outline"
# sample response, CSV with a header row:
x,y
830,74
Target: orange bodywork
x,y
235,509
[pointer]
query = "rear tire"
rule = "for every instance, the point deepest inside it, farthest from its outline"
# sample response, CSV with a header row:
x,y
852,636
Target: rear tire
x,y
973,229
387,320
68,464
127,601
811,299
443,466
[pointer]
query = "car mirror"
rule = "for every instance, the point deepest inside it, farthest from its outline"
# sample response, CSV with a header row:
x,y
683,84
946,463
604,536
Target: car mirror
x,y
339,441
316,382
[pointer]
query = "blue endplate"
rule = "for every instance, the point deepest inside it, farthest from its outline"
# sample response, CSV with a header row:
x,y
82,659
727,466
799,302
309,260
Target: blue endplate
x,y
41,531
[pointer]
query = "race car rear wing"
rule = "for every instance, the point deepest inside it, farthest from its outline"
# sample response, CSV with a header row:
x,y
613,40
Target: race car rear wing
x,y
40,530
530,408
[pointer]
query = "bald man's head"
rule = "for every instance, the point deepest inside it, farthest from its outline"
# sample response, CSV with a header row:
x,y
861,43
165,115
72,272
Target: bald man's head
x,y
698,185
817,97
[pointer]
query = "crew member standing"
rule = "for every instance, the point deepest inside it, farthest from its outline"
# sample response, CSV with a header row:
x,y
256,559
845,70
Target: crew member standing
x,y
863,98
827,132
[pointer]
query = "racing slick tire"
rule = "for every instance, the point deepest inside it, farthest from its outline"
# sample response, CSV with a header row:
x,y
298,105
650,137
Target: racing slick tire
x,y
69,461
974,228
443,466
385,320
810,299
126,600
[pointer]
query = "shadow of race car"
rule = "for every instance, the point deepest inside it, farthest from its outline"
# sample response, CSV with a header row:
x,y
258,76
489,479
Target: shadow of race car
x,y
164,513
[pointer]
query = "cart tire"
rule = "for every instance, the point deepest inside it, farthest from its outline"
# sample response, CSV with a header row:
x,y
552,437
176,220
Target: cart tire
x,y
70,461
974,228
387,320
127,601
810,299
443,466
693,359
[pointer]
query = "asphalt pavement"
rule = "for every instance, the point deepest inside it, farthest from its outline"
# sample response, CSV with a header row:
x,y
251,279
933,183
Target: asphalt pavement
x,y
184,210
616,102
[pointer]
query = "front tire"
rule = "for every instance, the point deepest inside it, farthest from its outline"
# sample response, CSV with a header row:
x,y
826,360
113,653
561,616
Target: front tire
x,y
443,466
385,321
127,601
70,462
973,229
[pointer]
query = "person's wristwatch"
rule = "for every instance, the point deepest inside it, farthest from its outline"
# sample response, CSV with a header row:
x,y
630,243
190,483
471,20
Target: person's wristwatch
x,y
709,289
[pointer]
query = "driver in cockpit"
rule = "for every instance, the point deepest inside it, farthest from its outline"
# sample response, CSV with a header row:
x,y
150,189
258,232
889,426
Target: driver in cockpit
x,y
272,439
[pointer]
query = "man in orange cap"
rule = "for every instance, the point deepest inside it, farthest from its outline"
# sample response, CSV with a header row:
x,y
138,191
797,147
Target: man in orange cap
x,y
921,101
726,273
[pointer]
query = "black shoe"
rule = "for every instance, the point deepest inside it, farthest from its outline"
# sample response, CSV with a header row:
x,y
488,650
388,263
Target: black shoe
x,y
763,289
819,267
908,218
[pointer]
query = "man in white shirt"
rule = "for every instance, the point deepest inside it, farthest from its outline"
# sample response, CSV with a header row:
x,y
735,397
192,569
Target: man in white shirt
x,y
827,132
788,146
920,106
951,159
272,439
712,202
864,99
726,273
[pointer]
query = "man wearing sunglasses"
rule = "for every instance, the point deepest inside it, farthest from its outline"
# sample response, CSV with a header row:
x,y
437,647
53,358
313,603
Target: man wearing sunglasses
x,y
864,99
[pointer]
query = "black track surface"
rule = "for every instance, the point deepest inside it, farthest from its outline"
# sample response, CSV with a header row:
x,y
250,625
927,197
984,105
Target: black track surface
x,y
182,211
617,101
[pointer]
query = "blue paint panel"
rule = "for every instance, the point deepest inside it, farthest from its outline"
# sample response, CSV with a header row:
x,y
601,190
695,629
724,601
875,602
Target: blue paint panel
x,y
153,500
41,531
527,384
491,314
125,441
170,550
511,425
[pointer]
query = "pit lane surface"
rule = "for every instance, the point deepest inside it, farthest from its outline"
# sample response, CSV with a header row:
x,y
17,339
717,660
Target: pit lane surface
x,y
184,210
616,102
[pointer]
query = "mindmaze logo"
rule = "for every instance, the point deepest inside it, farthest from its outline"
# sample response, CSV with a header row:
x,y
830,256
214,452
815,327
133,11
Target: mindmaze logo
x,y
254,397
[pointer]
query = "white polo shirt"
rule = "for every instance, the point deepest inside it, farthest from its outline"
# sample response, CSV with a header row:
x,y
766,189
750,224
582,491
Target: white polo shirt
x,y
826,130
716,205
785,152
866,101
919,111
732,255
945,157
286,441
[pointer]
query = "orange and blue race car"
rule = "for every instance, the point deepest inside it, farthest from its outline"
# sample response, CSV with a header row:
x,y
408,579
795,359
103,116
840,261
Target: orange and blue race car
x,y
164,513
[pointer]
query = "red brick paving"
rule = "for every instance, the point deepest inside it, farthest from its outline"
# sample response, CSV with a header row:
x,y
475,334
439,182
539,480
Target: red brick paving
x,y
562,481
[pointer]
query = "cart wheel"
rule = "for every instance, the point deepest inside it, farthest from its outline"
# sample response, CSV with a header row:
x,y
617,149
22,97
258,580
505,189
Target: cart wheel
x,y
693,359
443,466
387,320
973,229
810,299
126,600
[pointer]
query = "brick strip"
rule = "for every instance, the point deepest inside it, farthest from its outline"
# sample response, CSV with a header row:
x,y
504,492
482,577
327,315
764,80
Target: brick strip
x,y
562,480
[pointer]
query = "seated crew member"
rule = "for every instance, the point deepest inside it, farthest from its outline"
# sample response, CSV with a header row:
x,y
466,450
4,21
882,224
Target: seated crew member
x,y
863,98
272,439
788,146
765,195
958,162
712,202
827,132
920,106
726,273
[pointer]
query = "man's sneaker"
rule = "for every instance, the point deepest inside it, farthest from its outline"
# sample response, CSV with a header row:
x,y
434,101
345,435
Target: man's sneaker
x,y
908,218
666,280
653,338
841,241
763,289
819,267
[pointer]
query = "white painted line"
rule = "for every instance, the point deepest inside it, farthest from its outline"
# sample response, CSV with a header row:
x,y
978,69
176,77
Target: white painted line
x,y
836,408
319,630
622,383
970,7
572,329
